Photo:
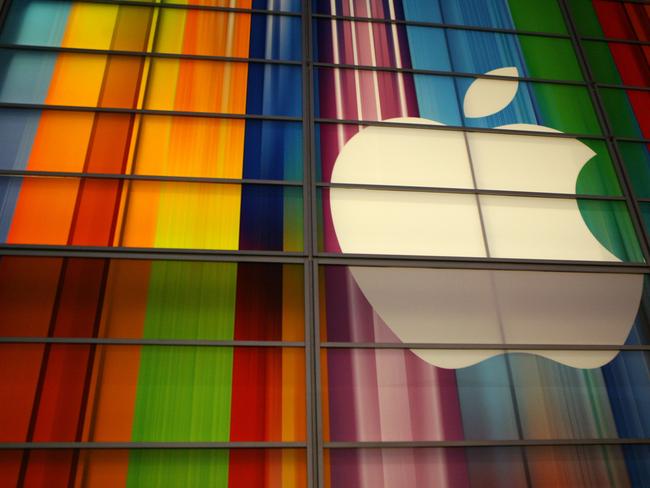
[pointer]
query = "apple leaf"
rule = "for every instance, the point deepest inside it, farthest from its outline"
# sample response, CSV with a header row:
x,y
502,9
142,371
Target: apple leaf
x,y
486,97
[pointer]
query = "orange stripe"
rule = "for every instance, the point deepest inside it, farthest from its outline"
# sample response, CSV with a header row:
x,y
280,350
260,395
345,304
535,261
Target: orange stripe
x,y
44,211
115,373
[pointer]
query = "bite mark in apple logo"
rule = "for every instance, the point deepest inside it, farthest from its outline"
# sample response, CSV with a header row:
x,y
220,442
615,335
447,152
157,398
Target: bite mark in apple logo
x,y
478,306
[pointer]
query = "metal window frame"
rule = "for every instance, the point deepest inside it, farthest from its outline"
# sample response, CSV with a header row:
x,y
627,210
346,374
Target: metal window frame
x,y
311,258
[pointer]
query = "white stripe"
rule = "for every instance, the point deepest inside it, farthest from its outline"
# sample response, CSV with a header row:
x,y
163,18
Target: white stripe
x,y
338,96
373,56
398,61
355,60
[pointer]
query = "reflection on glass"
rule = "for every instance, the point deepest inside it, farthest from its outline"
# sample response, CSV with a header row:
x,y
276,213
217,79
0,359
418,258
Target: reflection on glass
x,y
151,393
371,95
542,15
106,212
558,229
175,30
455,306
393,395
487,467
192,468
167,145
619,20
448,49
453,159
627,112
636,157
361,221
211,86
92,80
59,297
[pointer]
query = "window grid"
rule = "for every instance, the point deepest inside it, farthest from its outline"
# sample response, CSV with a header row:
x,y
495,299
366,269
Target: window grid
x,y
312,258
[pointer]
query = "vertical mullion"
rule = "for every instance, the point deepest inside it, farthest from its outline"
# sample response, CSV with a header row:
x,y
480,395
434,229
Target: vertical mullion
x,y
309,247
4,10
318,406
619,166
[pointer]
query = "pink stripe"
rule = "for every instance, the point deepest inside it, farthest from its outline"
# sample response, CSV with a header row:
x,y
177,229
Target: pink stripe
x,y
364,47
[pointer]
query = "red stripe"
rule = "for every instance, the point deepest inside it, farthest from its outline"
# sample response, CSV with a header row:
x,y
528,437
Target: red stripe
x,y
631,22
257,372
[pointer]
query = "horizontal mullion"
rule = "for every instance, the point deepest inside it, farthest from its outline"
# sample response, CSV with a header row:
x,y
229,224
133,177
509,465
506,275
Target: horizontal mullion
x,y
459,74
106,341
417,23
614,86
138,177
142,111
469,191
488,443
447,262
145,54
480,347
154,254
631,139
642,2
323,258
152,445
326,445
187,6
616,40
455,128
621,87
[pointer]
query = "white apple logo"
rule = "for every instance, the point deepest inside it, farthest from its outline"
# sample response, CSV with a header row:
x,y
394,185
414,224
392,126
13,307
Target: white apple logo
x,y
478,306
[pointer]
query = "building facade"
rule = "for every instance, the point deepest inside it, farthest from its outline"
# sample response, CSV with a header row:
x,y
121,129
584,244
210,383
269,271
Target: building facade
x,y
325,243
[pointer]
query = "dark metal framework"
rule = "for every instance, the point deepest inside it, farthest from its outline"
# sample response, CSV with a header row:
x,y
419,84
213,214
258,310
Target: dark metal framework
x,y
312,258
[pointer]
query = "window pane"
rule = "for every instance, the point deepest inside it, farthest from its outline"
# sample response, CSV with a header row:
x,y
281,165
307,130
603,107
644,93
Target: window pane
x,y
627,112
59,297
152,393
542,15
89,142
77,25
284,5
370,95
412,156
209,86
589,230
150,214
360,221
394,395
645,211
228,34
175,31
602,18
399,46
172,84
637,163
576,466
618,63
180,467
463,306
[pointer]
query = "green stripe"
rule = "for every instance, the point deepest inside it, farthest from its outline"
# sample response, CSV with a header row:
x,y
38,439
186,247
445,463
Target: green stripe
x,y
569,109
184,393
537,15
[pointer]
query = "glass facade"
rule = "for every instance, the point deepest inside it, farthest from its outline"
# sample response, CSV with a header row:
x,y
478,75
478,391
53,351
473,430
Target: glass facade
x,y
325,243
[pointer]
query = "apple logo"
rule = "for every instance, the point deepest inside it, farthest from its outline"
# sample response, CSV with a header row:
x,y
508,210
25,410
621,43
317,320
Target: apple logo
x,y
479,306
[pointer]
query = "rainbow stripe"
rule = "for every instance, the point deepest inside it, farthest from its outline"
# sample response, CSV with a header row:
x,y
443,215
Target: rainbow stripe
x,y
374,395
153,393
151,213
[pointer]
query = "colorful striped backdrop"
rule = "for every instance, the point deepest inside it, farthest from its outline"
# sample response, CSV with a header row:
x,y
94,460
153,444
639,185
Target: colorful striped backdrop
x,y
121,393
372,395
74,211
